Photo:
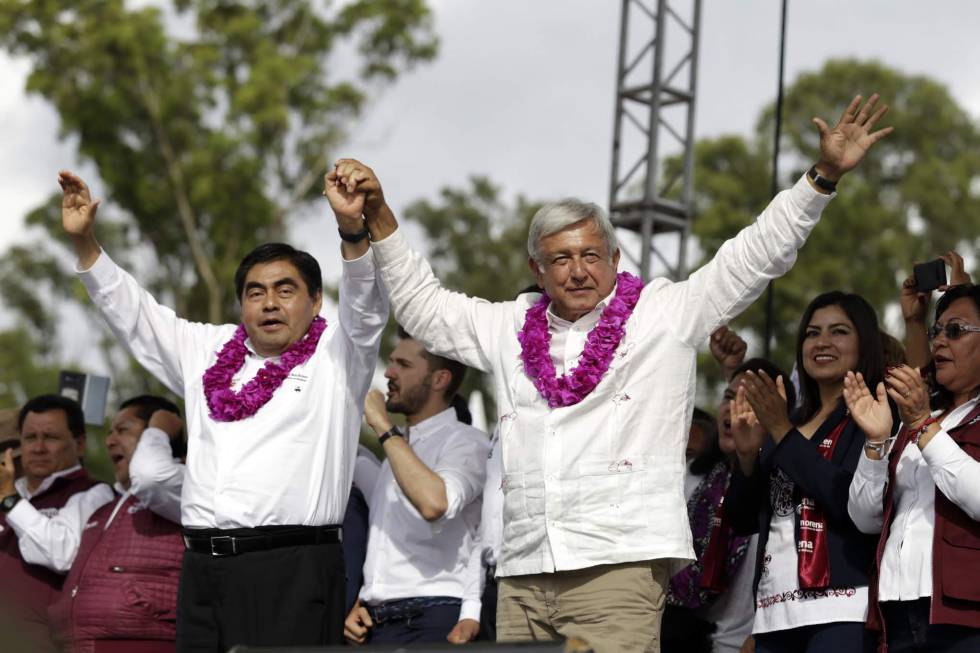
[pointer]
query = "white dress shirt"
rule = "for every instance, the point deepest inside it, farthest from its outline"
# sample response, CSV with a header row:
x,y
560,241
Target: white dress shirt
x,y
905,573
408,556
488,540
289,464
156,479
602,481
51,538
366,470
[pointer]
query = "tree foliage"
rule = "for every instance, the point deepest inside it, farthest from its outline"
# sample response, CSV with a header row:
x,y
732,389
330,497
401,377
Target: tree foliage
x,y
913,198
210,124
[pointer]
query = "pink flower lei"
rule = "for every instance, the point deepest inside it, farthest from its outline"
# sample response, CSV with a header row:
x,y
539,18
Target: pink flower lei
x,y
600,346
226,405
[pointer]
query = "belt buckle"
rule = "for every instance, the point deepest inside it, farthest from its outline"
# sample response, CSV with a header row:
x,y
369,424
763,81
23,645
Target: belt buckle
x,y
221,539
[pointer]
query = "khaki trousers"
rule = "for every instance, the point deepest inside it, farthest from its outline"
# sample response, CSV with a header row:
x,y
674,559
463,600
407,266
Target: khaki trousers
x,y
614,608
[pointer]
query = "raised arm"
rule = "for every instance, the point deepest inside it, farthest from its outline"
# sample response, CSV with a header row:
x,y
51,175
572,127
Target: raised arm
x,y
155,477
439,493
151,332
728,349
422,486
766,249
448,323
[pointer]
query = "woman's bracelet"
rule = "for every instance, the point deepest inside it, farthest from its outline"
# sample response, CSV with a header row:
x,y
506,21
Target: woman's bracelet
x,y
921,430
879,446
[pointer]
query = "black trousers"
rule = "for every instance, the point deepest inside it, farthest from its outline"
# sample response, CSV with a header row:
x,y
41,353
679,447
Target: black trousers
x,y
289,596
428,623
488,607
909,630
837,637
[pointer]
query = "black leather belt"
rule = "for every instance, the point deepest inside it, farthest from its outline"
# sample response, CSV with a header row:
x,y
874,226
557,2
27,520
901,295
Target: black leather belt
x,y
214,543
404,609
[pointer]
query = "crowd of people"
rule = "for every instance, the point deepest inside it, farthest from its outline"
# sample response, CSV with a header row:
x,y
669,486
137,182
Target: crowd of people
x,y
835,506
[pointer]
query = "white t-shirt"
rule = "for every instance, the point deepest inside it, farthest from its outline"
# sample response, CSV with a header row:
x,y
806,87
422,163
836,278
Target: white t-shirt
x,y
734,610
780,603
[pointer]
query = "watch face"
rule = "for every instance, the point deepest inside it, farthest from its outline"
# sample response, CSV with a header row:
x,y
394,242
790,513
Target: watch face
x,y
10,501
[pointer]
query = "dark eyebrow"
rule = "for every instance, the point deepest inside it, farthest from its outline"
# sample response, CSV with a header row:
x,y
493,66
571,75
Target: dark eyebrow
x,y
285,281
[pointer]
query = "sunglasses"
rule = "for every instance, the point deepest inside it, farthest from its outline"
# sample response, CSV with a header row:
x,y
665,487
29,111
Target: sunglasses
x,y
953,330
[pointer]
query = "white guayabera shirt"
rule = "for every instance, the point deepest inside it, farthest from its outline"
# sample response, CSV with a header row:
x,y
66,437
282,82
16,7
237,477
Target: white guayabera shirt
x,y
599,482
292,462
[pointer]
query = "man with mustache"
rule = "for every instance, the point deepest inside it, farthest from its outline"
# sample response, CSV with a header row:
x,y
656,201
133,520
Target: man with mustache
x,y
33,509
122,561
425,508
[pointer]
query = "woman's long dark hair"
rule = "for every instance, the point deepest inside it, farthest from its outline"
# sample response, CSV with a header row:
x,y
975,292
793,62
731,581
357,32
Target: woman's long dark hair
x,y
871,358
940,398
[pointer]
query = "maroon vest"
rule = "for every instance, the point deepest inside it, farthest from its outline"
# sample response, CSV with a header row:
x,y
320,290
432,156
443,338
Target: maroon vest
x,y
28,589
123,583
955,544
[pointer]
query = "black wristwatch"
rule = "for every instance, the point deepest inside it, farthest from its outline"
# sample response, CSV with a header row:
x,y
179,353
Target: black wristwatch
x,y
9,502
820,181
392,432
356,237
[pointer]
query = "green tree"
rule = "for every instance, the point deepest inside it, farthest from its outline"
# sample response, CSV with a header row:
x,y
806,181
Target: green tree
x,y
912,199
210,124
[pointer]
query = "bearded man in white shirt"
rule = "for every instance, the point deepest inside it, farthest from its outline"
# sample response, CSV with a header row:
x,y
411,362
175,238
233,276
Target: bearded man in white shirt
x,y
595,389
273,410
424,508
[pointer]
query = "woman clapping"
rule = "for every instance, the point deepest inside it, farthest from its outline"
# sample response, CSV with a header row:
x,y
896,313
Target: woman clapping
x,y
793,478
924,496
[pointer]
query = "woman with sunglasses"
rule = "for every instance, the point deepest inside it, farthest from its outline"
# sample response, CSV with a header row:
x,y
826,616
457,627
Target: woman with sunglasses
x,y
914,303
791,485
923,497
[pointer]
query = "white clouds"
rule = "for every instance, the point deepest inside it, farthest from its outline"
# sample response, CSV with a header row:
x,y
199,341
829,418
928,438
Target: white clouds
x,y
523,91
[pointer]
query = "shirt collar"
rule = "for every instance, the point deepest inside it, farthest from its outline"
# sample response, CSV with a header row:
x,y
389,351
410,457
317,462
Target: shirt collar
x,y
431,425
557,322
254,354
21,483
958,414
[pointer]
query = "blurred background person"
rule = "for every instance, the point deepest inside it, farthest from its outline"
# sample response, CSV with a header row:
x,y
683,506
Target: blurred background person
x,y
710,604
121,590
923,497
791,485
54,486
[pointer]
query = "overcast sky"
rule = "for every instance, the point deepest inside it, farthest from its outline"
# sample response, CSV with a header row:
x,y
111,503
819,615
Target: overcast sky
x,y
523,91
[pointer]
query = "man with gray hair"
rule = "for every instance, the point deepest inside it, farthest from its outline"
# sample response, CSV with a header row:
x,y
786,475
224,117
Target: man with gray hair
x,y
594,384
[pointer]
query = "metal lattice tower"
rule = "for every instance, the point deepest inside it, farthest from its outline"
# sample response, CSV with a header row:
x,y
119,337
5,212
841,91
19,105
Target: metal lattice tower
x,y
655,91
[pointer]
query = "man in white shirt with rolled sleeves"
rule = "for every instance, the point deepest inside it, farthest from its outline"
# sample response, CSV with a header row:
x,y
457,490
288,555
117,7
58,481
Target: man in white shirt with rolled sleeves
x,y
424,508
595,388
273,409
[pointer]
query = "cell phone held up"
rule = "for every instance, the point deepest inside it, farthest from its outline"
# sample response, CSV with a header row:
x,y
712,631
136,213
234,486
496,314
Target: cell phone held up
x,y
929,276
